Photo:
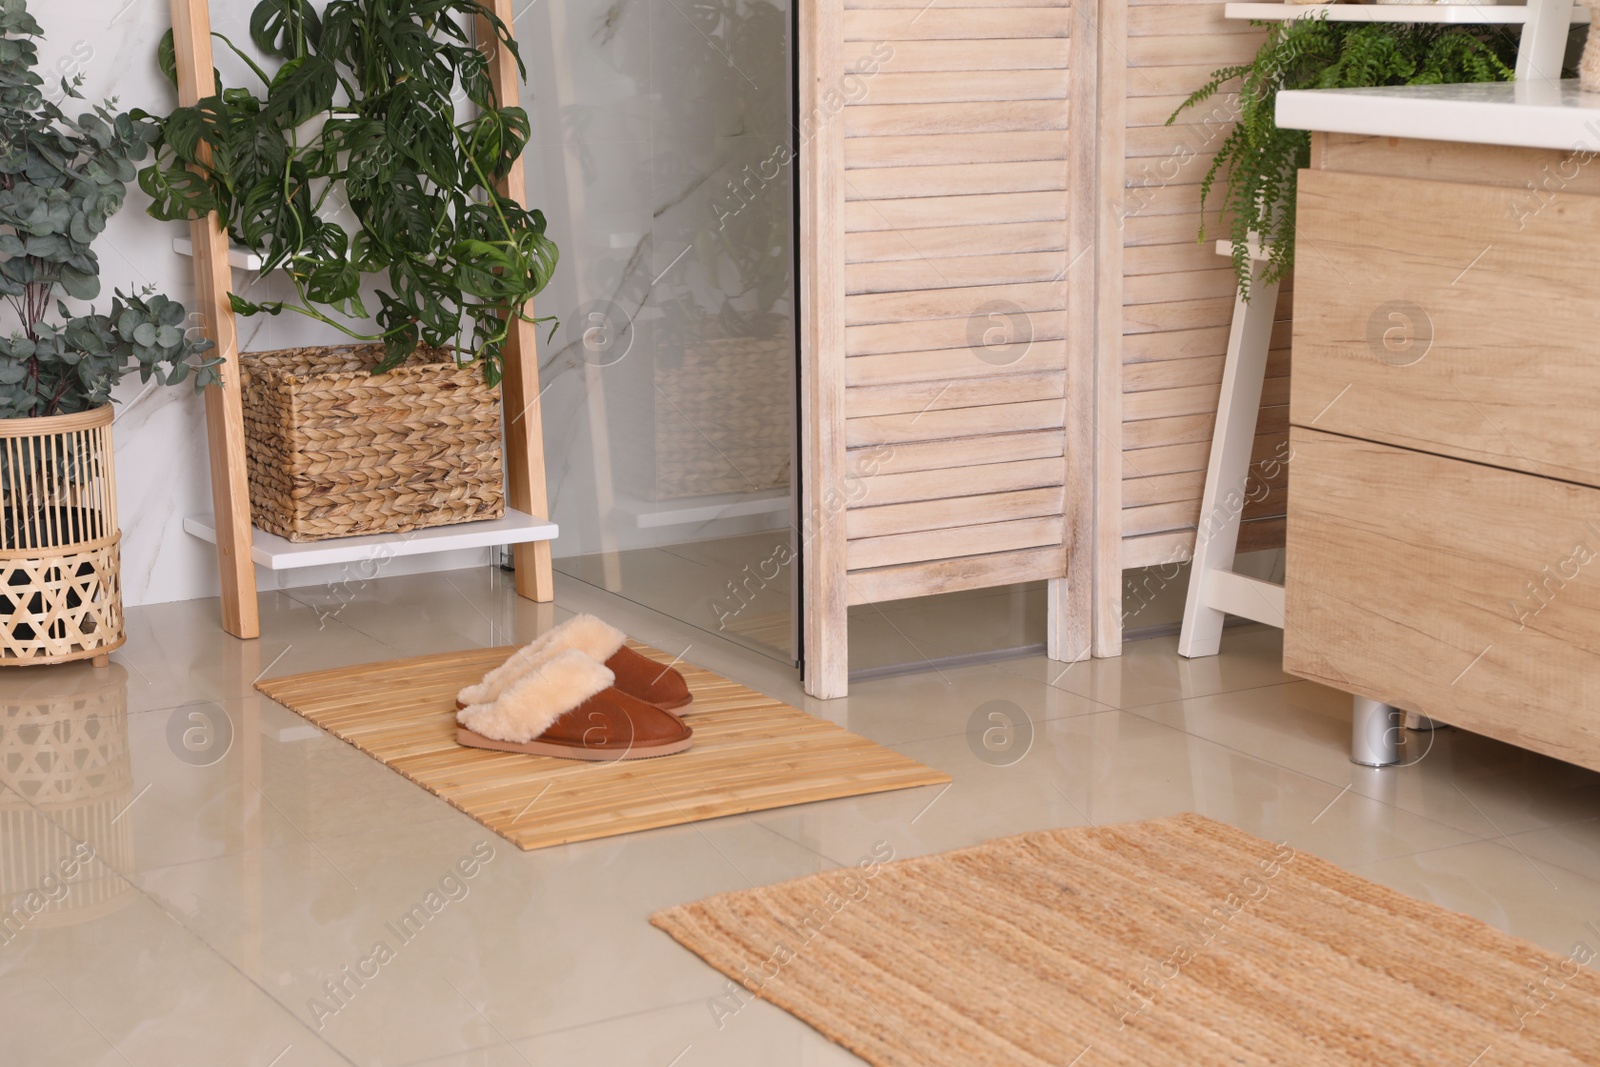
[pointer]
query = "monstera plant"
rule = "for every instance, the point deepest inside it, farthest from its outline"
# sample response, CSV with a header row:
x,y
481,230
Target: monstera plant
x,y
60,180
349,160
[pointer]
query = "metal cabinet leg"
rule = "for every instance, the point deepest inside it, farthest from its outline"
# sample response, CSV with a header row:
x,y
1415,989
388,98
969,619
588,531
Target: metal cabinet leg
x,y
1374,733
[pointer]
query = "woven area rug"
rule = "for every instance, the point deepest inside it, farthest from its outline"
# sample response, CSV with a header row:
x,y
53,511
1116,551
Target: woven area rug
x,y
1177,941
750,753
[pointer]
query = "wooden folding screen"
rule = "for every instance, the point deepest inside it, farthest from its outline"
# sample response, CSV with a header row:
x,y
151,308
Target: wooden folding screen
x,y
1012,342
1166,300
943,215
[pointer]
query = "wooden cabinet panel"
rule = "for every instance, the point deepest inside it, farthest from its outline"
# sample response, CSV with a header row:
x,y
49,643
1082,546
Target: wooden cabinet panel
x,y
1460,591
1042,53
1478,339
954,455
917,397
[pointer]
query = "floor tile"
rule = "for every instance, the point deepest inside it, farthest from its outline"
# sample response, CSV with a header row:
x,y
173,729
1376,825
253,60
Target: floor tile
x,y
1507,889
1150,671
240,859
1481,786
518,947
1106,768
131,986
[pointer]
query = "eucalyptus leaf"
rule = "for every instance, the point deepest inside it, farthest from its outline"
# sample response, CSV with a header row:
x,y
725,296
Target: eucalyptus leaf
x,y
79,284
60,180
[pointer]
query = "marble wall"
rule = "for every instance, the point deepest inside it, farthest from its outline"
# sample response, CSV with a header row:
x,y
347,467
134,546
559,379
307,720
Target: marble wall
x,y
645,112
660,157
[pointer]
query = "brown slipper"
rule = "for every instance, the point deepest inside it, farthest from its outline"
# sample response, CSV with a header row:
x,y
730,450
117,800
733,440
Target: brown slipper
x,y
567,707
637,675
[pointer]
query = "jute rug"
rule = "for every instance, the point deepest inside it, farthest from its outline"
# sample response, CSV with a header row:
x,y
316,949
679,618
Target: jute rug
x,y
1177,941
750,753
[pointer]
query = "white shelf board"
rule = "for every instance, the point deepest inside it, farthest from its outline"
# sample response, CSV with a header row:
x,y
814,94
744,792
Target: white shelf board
x,y
277,554
1524,114
695,510
1456,14
237,257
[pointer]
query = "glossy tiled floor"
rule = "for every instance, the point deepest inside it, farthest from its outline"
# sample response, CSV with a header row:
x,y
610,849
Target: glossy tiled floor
x,y
226,863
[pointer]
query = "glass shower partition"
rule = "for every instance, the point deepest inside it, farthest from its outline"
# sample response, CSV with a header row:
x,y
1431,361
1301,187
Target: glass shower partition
x,y
661,154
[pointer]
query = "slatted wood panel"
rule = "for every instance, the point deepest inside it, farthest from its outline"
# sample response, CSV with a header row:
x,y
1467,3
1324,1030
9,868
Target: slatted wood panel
x,y
957,205
1166,300
750,753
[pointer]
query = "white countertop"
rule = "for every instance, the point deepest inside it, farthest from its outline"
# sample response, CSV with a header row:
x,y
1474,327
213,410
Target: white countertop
x,y
1532,114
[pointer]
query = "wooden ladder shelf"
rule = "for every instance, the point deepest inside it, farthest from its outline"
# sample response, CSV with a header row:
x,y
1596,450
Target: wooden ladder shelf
x,y
229,528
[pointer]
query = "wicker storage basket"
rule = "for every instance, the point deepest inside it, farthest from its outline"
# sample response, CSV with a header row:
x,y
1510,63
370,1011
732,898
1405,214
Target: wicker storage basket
x,y
722,420
60,562
336,451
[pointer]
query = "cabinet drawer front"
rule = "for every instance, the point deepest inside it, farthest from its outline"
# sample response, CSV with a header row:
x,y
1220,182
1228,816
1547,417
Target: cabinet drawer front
x,y
1445,317
1460,591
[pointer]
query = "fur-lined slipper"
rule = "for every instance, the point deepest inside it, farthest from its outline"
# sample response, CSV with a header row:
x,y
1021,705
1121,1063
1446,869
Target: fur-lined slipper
x,y
567,707
637,675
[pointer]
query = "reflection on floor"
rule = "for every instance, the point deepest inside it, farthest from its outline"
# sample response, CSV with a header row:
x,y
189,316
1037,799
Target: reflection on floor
x,y
194,876
737,587
741,589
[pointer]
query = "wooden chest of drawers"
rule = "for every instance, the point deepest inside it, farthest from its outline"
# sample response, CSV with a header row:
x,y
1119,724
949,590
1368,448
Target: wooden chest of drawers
x,y
1444,487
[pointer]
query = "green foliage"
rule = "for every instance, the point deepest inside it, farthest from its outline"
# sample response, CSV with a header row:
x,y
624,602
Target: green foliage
x,y
60,181
362,105
1261,161
59,370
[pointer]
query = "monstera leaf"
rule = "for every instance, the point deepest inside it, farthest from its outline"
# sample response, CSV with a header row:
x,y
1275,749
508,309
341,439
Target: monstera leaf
x,y
349,160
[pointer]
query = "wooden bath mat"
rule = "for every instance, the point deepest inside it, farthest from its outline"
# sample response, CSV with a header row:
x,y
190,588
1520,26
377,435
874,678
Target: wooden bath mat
x,y
1176,942
750,753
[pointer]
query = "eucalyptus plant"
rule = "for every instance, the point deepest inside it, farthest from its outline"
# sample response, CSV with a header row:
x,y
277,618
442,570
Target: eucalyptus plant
x,y
1260,162
349,159
61,179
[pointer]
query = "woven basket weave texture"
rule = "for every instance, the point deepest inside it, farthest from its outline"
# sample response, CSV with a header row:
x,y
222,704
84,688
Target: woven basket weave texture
x,y
337,451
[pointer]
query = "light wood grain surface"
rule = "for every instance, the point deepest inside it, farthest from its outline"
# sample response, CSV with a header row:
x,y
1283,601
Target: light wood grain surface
x,y
1166,300
750,753
1452,589
1474,339
230,484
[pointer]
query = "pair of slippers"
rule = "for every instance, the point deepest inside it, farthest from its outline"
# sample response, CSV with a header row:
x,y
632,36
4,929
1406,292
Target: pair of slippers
x,y
578,692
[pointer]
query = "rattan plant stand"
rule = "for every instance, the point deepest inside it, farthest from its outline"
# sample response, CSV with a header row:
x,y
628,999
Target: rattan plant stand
x,y
60,547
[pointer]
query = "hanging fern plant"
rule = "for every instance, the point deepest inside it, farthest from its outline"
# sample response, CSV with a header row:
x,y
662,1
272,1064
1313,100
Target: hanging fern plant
x,y
1260,161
